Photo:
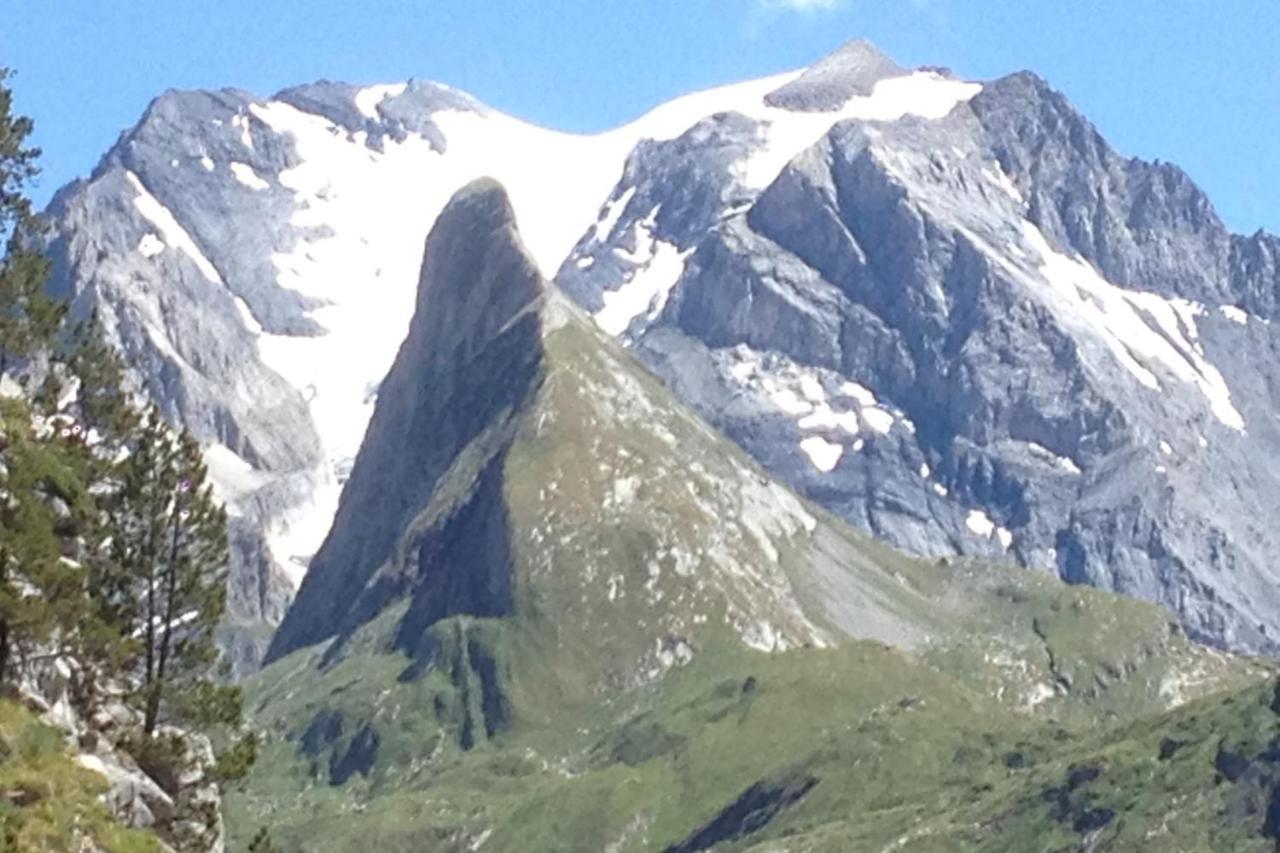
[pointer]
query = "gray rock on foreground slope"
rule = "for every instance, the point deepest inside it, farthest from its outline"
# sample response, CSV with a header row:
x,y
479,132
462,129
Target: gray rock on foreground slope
x,y
983,332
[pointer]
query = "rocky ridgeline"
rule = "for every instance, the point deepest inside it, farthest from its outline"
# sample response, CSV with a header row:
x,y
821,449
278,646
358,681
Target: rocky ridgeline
x,y
947,311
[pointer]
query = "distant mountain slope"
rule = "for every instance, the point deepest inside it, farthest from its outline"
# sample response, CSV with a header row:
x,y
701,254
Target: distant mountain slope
x,y
981,332
945,310
557,612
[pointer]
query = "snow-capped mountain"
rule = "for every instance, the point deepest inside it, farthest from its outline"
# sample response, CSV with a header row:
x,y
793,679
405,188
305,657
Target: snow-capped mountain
x,y
946,310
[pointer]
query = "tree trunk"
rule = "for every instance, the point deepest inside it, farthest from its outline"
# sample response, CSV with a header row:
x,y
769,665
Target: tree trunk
x,y
170,576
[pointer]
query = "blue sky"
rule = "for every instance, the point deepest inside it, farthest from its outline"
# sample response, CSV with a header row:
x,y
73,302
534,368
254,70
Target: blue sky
x,y
1194,82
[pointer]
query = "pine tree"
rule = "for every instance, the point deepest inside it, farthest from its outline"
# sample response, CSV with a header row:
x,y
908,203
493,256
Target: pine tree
x,y
142,599
44,505
43,602
28,316
168,587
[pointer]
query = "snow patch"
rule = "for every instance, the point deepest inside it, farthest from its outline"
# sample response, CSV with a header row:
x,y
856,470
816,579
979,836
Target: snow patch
x,y
1141,329
173,233
661,265
150,245
245,174
822,453
207,163
230,475
1137,324
1234,314
368,98
979,523
612,213
877,419
860,394
241,122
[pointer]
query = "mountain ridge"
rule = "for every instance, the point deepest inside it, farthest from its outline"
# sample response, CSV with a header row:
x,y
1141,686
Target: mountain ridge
x,y
318,200
578,602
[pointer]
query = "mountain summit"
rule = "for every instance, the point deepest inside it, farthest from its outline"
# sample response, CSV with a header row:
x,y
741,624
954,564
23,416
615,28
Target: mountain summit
x,y
945,310
557,611
852,71
472,359
516,459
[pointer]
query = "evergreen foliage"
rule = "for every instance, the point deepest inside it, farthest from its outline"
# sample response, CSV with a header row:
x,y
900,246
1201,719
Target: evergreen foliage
x,y
166,587
113,548
28,316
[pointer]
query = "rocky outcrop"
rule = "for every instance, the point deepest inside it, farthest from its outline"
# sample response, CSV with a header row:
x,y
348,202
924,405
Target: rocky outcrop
x,y
852,71
471,361
164,784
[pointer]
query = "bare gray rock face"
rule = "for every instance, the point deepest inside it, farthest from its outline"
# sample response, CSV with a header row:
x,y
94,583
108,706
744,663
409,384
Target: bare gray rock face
x,y
472,357
851,71
950,313
984,334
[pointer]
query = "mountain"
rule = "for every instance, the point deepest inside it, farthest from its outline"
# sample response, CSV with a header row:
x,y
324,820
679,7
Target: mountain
x,y
946,311
972,330
556,611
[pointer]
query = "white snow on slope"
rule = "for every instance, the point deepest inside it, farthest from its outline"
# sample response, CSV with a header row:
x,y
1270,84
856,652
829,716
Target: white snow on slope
x,y
376,208
822,453
172,233
979,524
612,213
368,98
647,291
245,174
800,392
150,245
1139,327
1234,314
1143,331
659,267
788,133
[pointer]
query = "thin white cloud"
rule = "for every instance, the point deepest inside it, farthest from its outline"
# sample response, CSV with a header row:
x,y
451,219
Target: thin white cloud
x,y
803,5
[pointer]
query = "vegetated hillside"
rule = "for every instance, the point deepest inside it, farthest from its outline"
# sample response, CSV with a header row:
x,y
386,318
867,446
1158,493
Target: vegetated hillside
x,y
559,612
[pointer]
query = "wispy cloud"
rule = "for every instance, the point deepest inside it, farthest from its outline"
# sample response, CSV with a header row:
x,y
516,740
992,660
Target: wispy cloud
x,y
802,5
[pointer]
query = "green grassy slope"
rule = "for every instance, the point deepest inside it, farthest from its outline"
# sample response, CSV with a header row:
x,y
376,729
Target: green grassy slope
x,y
618,707
678,653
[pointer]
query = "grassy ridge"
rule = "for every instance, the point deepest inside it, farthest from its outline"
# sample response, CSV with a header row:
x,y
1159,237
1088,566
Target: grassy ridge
x,y
919,705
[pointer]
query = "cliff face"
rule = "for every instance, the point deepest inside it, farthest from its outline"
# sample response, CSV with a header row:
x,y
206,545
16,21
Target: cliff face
x,y
946,310
410,521
980,332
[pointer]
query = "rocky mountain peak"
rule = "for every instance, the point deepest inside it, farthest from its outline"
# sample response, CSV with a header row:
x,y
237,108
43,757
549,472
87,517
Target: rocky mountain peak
x,y
851,71
471,359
